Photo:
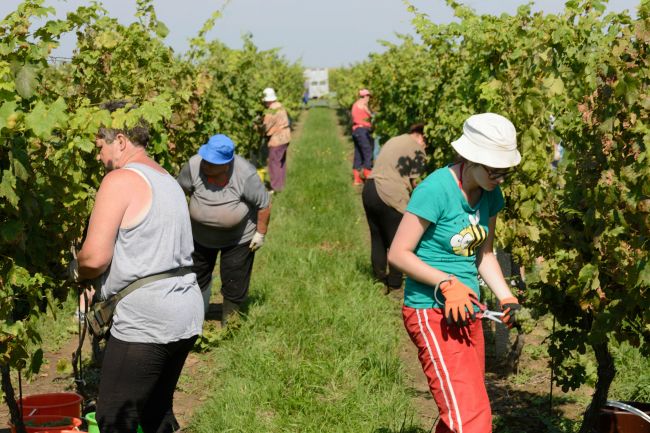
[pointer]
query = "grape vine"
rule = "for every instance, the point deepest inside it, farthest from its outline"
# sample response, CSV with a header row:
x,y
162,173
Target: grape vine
x,y
579,76
49,114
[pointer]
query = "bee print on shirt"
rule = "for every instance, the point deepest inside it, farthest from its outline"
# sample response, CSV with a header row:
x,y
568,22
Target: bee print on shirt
x,y
469,240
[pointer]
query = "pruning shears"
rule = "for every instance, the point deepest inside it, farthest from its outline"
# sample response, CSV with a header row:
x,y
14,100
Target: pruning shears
x,y
484,313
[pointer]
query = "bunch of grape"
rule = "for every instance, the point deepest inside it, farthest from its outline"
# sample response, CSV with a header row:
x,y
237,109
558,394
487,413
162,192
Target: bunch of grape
x,y
525,321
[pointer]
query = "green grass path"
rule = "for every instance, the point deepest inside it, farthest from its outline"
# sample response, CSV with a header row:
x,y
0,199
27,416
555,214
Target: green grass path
x,y
318,351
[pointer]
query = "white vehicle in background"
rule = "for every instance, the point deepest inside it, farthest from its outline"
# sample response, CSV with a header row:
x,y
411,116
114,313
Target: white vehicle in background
x,y
317,82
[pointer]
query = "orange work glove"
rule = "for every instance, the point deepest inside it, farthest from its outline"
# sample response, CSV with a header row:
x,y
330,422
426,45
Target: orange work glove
x,y
458,304
509,306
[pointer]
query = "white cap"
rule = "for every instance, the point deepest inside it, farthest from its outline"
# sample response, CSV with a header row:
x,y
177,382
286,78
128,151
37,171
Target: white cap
x,y
489,139
269,95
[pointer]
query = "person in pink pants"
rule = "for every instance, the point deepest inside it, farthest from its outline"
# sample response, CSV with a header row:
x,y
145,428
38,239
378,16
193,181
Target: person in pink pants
x,y
278,131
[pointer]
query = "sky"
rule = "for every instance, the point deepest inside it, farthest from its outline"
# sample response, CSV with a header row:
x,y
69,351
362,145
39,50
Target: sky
x,y
325,33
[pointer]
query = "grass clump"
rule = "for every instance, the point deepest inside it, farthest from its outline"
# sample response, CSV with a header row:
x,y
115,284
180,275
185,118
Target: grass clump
x,y
318,349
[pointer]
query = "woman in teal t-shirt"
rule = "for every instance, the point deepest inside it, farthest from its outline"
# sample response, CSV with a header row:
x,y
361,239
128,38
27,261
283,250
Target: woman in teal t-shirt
x,y
444,242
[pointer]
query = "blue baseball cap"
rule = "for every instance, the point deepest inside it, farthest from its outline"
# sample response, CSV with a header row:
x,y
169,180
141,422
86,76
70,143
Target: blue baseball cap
x,y
218,150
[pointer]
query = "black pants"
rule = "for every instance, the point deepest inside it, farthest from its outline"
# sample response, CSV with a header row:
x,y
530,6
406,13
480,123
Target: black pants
x,y
383,221
363,147
236,267
137,385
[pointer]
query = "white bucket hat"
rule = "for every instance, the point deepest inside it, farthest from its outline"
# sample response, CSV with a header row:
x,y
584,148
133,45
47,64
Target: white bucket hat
x,y
489,139
269,95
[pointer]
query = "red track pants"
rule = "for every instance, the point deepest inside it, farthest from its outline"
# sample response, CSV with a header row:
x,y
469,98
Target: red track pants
x,y
453,359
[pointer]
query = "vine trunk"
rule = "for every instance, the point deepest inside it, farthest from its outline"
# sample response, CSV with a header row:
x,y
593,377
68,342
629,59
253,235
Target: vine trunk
x,y
10,399
606,373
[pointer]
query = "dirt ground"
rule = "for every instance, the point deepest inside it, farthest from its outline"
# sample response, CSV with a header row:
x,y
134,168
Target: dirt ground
x,y
422,401
189,392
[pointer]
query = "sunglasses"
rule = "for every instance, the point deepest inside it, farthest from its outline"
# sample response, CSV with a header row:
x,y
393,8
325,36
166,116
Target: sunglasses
x,y
495,174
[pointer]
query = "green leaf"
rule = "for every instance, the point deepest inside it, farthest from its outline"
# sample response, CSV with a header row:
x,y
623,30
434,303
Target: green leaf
x,y
85,145
158,147
6,48
55,28
15,328
89,120
154,111
644,275
19,170
161,30
7,110
64,366
26,81
554,86
43,119
528,108
598,5
19,276
36,362
587,274
8,188
533,233
109,39
617,231
526,209
9,230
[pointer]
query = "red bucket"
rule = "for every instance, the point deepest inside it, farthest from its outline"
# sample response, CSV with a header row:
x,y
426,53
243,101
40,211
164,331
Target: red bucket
x,y
51,423
616,420
56,403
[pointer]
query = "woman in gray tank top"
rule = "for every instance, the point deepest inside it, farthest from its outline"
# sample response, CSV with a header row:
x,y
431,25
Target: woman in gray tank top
x,y
140,226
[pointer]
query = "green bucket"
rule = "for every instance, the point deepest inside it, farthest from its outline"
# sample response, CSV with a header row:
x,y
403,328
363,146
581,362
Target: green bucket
x,y
92,423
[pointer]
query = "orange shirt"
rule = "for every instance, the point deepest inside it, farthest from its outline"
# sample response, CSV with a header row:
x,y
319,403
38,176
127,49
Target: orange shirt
x,y
276,124
360,115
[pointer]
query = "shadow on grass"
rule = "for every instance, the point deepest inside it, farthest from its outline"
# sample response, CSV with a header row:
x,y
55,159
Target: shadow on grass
x,y
406,426
527,412
400,430
513,411
363,263
521,411
255,298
